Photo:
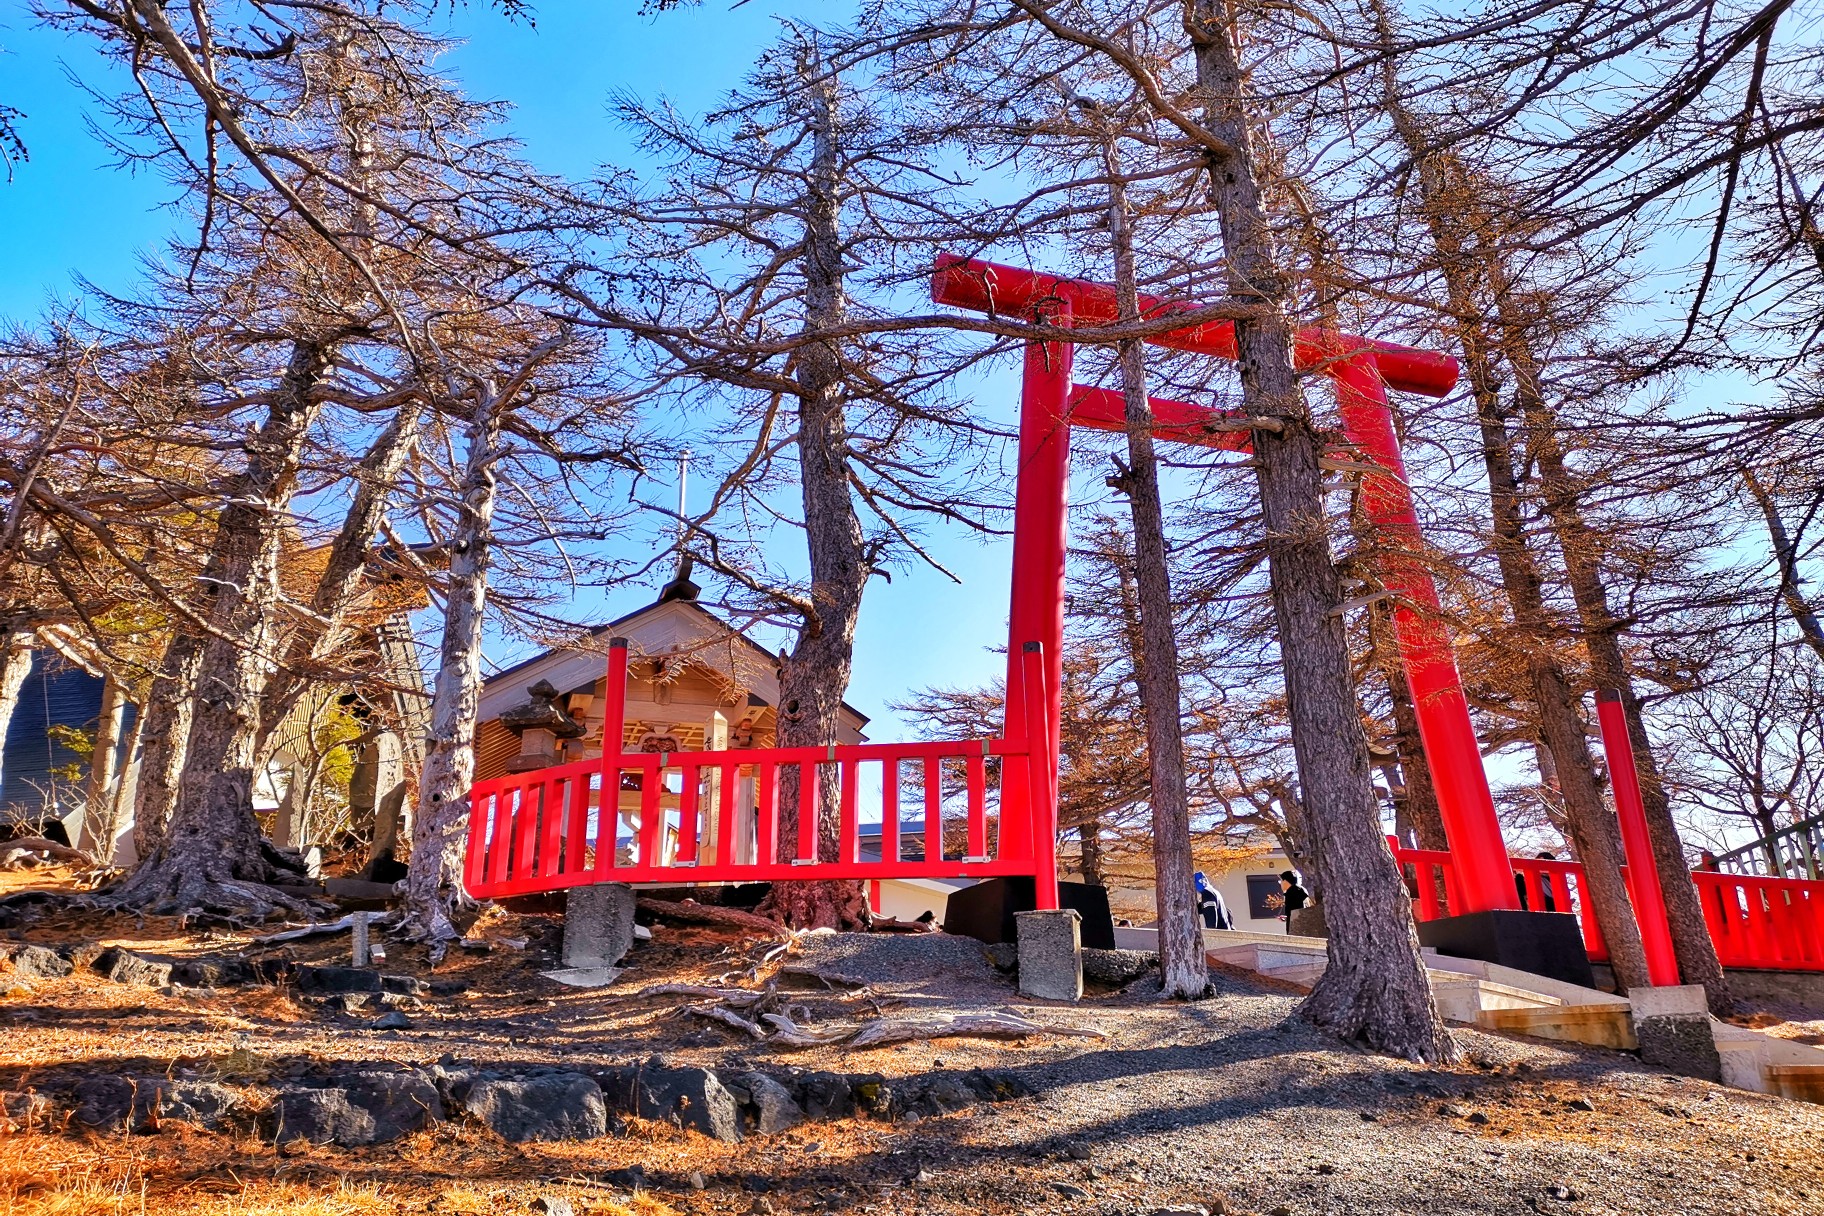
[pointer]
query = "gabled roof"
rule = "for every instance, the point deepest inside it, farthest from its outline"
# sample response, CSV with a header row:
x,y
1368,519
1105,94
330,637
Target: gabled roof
x,y
669,626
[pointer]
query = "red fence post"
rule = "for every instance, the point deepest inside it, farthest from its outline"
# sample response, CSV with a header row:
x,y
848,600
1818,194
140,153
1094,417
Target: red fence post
x,y
1464,802
1036,606
1643,871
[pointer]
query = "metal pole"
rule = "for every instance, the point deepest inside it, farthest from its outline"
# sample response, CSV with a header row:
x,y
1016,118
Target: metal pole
x,y
1643,872
1478,853
1040,541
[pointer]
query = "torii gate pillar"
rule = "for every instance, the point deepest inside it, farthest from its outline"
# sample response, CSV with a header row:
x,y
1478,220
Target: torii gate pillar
x,y
1362,370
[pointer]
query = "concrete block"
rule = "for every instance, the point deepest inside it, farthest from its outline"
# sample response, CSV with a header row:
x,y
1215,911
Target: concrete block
x,y
1672,1024
598,925
1673,1000
1051,954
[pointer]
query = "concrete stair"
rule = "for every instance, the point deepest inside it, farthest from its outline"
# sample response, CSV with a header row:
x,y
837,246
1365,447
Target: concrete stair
x,y
1474,993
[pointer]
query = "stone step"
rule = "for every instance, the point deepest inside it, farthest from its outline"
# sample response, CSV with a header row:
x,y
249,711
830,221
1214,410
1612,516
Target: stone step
x,y
1589,1024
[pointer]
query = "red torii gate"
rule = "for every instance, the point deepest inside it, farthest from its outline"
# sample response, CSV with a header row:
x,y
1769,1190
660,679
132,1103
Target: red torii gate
x,y
559,827
1362,370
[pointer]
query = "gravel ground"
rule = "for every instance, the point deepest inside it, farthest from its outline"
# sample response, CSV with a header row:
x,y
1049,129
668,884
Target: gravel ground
x,y
1227,1102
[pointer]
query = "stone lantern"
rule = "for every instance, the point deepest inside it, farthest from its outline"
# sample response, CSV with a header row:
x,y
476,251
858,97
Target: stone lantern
x,y
540,723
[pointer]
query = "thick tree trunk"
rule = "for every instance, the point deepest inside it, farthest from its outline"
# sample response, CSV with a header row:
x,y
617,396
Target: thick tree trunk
x,y
1374,989
1561,726
1183,972
212,857
816,673
165,719
1691,941
343,579
15,665
433,885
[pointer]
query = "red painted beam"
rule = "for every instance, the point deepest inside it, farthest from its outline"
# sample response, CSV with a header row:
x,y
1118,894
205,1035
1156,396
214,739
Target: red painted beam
x,y
991,287
1101,409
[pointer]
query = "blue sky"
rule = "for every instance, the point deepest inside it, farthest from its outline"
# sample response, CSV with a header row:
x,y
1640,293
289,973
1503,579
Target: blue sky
x,y
71,211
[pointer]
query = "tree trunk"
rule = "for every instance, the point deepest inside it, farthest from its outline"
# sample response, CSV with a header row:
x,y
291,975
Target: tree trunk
x,y
1183,972
1691,941
165,728
1089,837
1561,726
15,665
1374,989
97,835
433,884
1786,559
322,633
212,856
816,673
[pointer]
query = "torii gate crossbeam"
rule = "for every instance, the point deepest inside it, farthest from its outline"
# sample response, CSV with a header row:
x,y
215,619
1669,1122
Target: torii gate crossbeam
x,y
1362,371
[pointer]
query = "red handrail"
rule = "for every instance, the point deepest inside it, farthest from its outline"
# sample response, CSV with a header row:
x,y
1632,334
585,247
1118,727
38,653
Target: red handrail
x,y
1774,924
553,828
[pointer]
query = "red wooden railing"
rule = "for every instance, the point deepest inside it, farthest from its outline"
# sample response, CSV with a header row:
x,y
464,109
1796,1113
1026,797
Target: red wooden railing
x,y
560,827
1775,924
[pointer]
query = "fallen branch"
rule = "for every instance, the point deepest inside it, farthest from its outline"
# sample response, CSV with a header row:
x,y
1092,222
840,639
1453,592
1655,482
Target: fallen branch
x,y
734,996
999,1025
728,1017
690,912
789,1034
38,844
316,930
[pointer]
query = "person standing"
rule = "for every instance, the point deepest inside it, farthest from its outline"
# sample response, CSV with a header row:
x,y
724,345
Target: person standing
x,y
1292,897
1211,906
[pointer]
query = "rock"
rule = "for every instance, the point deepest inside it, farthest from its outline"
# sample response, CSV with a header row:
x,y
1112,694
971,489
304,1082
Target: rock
x,y
697,1181
1005,956
14,987
1327,1168
688,1097
1078,1152
139,1105
359,1109
1070,1190
338,979
22,1110
1181,1209
558,1106
1450,1110
1478,1117
1117,968
826,1095
1281,1210
1581,1104
223,971
404,985
924,1176
448,987
39,963
140,970
393,1021
779,1110
554,1205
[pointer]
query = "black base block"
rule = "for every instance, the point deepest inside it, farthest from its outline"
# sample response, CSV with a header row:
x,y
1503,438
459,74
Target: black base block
x,y
1544,943
985,911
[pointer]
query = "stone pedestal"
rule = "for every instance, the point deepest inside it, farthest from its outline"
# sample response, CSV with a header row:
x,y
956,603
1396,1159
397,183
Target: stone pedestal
x,y
1051,954
598,925
1673,1026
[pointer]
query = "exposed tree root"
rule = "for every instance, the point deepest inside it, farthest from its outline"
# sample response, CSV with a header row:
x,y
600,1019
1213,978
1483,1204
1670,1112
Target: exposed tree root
x,y
690,912
825,904
1358,1006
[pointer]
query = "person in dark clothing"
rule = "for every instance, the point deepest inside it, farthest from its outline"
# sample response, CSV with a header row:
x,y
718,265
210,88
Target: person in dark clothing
x,y
1292,897
1211,906
1545,881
